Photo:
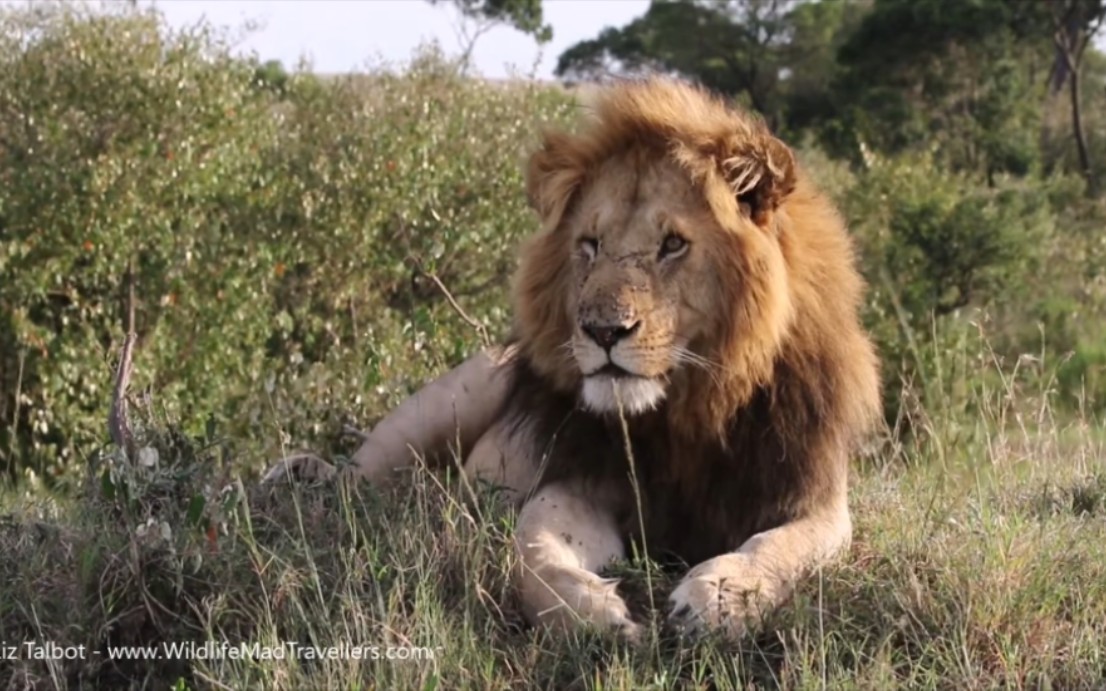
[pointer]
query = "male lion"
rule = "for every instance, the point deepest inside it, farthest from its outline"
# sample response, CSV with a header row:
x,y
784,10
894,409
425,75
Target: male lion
x,y
687,367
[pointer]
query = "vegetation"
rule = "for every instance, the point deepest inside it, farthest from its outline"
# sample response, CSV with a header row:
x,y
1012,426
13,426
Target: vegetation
x,y
289,242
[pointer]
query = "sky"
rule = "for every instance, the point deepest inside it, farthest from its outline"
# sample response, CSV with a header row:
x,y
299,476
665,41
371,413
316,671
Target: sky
x,y
344,35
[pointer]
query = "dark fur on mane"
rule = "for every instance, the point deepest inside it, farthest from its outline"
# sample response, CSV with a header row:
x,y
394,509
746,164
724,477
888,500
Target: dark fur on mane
x,y
699,498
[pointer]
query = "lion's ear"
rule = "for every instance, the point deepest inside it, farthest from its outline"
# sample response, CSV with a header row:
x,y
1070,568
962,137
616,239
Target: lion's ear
x,y
553,176
761,175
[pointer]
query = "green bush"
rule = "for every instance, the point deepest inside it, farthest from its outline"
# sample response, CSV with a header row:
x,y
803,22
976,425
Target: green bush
x,y
288,234
124,144
948,259
281,228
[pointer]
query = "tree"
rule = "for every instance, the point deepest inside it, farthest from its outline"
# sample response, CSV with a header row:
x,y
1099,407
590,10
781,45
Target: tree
x,y
524,15
816,32
945,74
732,46
1074,25
777,56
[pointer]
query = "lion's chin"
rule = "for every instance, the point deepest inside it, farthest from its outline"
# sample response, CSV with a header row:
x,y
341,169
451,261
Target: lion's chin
x,y
637,394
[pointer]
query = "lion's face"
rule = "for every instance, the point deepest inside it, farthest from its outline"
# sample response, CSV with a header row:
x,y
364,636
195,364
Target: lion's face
x,y
660,271
644,292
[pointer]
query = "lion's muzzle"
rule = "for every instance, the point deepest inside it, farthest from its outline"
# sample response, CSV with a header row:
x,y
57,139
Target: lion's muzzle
x,y
609,354
607,335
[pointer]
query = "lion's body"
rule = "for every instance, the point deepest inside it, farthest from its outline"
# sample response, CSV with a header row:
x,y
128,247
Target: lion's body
x,y
690,303
750,438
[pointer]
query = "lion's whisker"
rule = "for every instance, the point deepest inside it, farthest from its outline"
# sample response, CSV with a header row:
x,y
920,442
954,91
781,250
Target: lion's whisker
x,y
684,356
565,351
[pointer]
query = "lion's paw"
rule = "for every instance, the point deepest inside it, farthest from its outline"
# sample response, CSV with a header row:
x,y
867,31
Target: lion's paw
x,y
564,598
304,467
723,595
610,613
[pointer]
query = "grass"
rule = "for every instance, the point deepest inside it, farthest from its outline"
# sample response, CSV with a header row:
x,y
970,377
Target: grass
x,y
979,561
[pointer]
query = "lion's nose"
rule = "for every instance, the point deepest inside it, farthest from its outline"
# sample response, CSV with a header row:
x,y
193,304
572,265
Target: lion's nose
x,y
607,336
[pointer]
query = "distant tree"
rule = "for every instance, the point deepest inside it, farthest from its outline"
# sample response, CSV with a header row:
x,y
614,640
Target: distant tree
x,y
271,75
765,52
728,46
949,74
1074,25
524,15
817,30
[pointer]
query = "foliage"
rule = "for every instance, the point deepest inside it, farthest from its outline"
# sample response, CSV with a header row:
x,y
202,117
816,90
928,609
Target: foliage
x,y
957,76
124,145
281,229
935,245
767,52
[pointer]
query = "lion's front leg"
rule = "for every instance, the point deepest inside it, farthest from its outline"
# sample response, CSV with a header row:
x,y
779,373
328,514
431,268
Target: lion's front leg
x,y
566,533
732,591
459,406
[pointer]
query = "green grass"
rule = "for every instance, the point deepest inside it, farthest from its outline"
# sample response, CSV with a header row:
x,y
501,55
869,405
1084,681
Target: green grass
x,y
979,561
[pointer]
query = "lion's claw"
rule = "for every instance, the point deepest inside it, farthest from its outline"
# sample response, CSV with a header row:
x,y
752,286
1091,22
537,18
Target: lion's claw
x,y
685,622
300,467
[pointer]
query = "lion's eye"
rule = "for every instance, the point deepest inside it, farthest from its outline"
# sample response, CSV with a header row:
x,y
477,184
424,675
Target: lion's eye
x,y
672,246
590,247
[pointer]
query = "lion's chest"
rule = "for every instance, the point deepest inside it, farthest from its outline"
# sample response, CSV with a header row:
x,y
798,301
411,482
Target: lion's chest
x,y
688,502
697,500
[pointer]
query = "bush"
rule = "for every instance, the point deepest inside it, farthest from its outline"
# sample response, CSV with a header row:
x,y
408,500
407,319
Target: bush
x,y
947,259
282,230
288,235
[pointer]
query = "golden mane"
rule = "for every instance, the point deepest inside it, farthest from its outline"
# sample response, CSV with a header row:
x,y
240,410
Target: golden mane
x,y
787,251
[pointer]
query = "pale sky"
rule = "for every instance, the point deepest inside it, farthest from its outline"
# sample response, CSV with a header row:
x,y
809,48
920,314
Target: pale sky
x,y
343,35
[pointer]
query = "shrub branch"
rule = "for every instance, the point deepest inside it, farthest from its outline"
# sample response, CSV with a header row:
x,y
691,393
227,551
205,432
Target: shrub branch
x,y
119,426
476,325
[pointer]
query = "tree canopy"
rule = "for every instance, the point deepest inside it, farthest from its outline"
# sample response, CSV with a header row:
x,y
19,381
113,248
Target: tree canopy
x,y
972,78
524,15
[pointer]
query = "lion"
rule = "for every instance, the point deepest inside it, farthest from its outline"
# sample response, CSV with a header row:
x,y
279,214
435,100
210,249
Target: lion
x,y
687,368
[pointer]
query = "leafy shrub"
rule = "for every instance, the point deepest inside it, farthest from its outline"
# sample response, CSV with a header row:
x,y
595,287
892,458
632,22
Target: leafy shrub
x,y
942,253
281,231
290,236
124,144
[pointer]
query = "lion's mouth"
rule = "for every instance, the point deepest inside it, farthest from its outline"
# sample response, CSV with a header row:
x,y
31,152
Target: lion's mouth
x,y
612,370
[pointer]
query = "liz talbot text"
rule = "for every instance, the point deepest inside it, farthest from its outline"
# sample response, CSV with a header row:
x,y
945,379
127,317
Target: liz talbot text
x,y
215,650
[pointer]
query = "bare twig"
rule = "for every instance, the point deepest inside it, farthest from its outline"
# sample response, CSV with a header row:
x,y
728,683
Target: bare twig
x,y
15,413
477,326
352,321
118,422
467,35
